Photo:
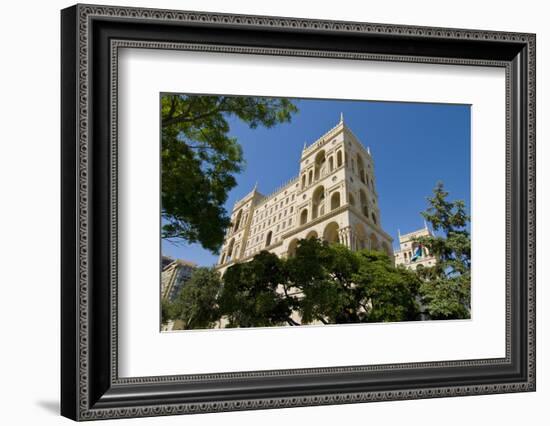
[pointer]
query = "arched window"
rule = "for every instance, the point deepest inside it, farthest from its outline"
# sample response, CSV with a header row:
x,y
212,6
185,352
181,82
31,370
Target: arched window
x,y
331,163
373,242
351,199
310,177
335,201
364,203
320,165
338,158
303,217
360,236
230,250
303,181
268,238
373,218
330,233
360,168
292,248
238,221
311,235
318,202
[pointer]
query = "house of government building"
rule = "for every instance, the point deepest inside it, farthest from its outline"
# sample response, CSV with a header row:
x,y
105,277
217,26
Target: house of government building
x,y
333,198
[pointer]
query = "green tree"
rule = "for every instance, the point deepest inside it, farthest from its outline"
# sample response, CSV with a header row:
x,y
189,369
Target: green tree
x,y
250,296
446,286
322,282
341,286
321,276
389,294
168,311
197,303
200,159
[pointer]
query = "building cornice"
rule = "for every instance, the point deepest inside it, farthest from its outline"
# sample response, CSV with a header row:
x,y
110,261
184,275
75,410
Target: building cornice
x,y
308,150
280,189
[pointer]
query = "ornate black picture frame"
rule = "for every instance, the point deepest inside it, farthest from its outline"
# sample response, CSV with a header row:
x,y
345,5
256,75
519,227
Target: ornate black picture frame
x,y
91,37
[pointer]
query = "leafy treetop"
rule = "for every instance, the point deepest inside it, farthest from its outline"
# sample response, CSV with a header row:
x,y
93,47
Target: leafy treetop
x,y
200,160
446,286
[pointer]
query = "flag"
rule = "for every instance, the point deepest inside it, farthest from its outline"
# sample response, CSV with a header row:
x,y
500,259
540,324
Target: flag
x,y
417,254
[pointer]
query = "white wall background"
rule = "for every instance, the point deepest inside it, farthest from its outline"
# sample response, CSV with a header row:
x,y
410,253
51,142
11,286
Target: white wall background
x,y
29,213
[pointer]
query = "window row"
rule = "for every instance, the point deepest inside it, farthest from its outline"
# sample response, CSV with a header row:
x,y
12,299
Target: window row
x,y
280,227
259,215
272,220
318,205
320,167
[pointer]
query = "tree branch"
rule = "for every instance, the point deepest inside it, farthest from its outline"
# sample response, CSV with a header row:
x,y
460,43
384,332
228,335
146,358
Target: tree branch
x,y
185,119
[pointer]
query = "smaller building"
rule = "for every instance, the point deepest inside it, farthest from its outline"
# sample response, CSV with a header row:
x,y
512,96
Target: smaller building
x,y
411,253
175,273
165,261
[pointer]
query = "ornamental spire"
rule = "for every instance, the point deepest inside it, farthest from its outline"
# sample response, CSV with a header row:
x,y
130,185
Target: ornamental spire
x,y
341,117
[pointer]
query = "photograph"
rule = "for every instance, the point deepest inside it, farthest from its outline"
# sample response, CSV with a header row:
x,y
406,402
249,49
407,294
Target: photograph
x,y
265,209
285,212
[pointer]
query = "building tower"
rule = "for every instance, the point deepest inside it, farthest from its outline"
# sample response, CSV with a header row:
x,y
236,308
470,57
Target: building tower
x,y
333,198
411,254
175,273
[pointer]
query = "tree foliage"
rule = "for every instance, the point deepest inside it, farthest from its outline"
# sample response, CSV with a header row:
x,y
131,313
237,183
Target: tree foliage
x,y
343,286
445,289
322,283
197,304
200,160
250,296
392,292
330,284
168,311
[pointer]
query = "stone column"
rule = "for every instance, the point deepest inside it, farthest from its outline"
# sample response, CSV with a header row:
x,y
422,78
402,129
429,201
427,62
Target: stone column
x,y
345,237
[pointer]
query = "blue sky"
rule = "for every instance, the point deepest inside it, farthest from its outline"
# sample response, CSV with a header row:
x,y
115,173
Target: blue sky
x,y
413,146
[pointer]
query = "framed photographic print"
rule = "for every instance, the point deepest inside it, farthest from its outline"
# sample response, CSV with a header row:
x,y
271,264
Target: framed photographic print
x,y
263,212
